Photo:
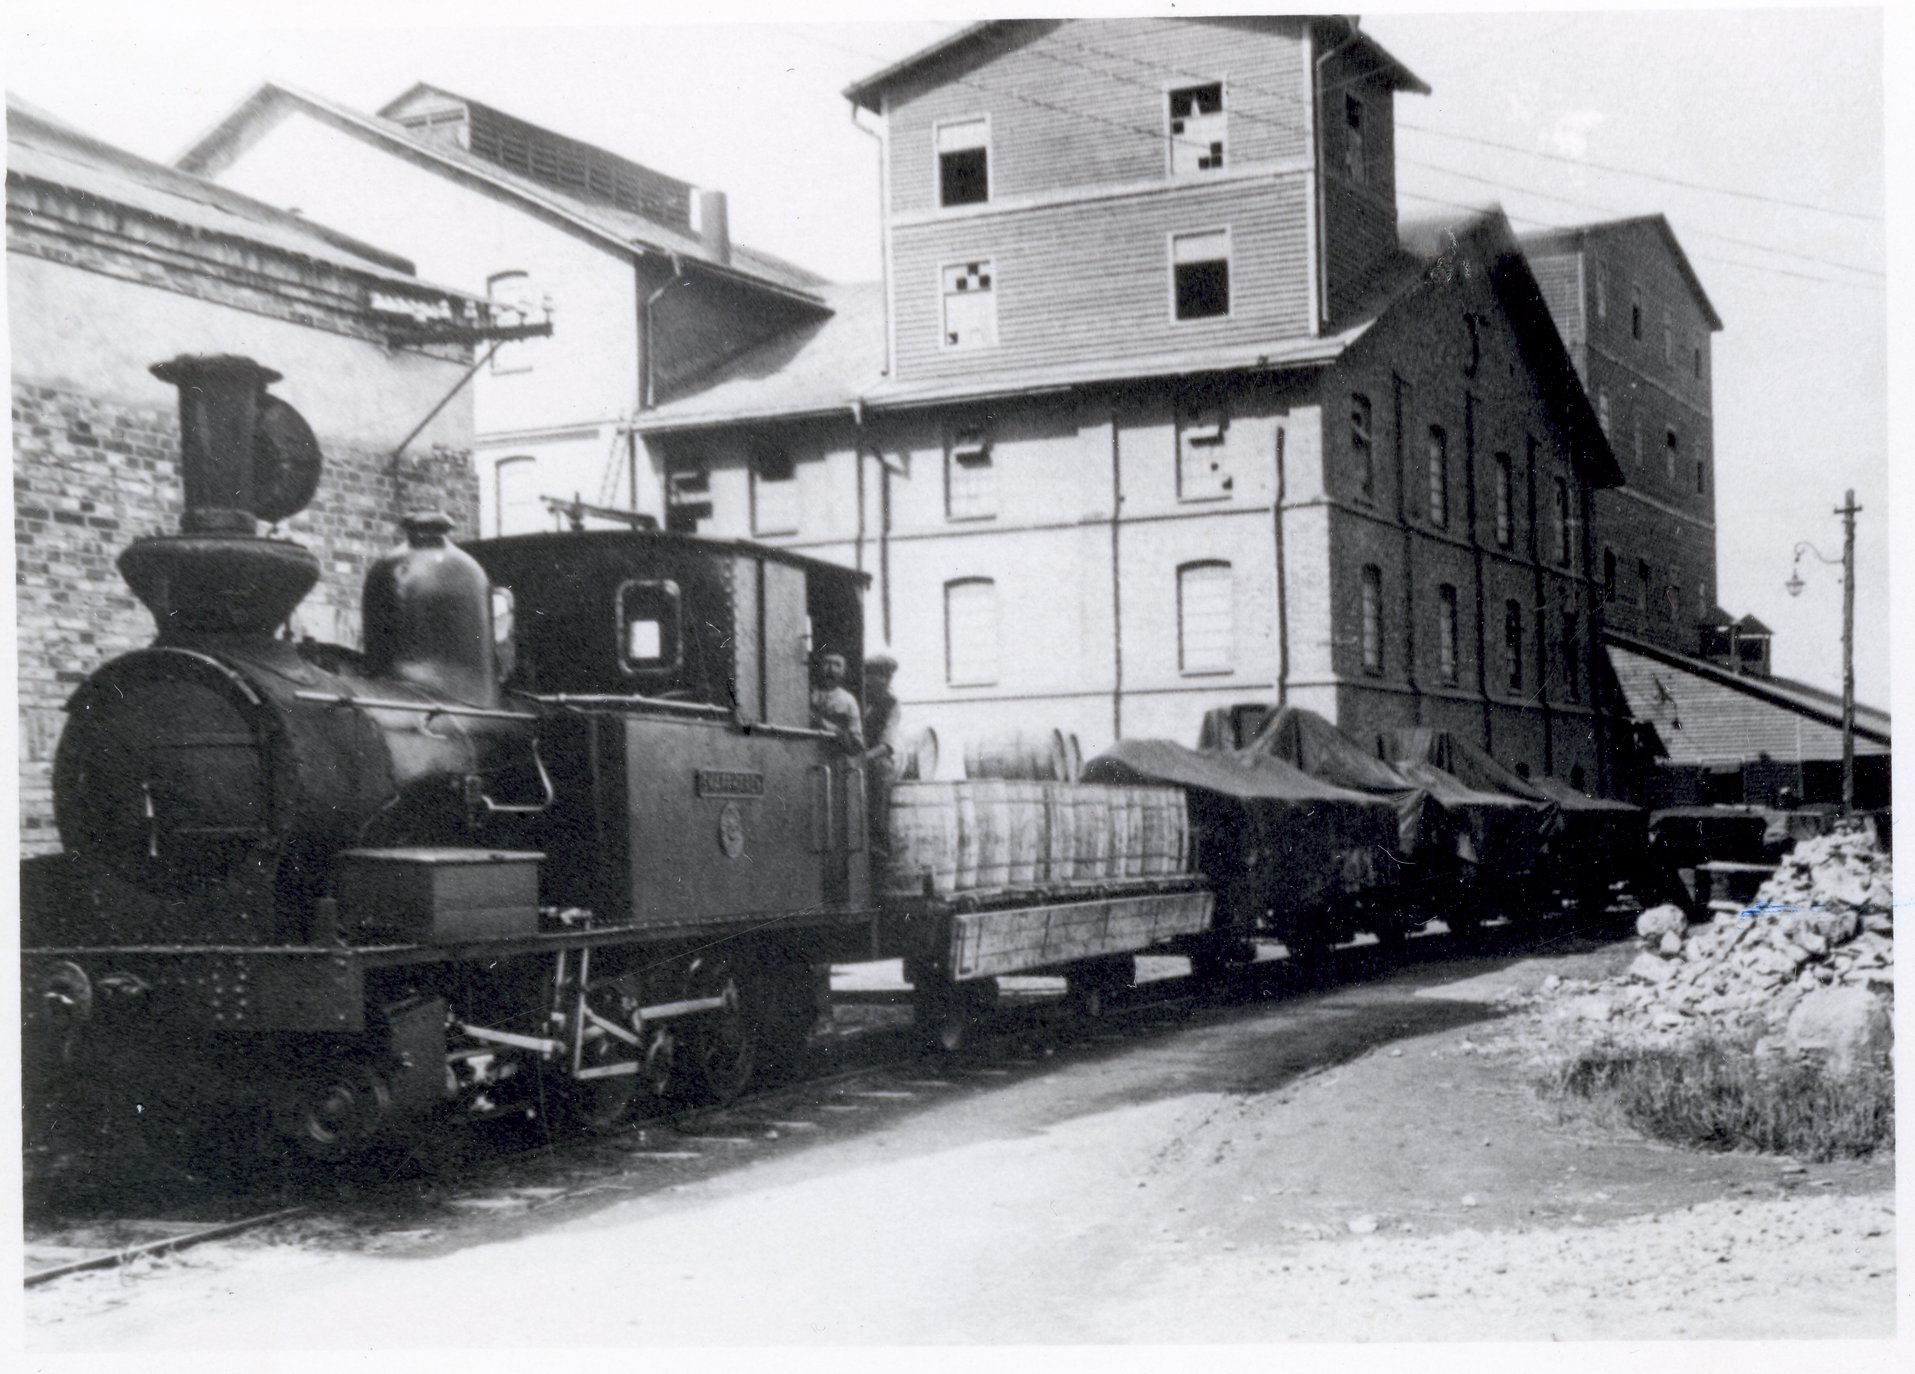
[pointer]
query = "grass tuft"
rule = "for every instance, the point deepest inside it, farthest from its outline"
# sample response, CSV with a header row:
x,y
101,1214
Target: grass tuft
x,y
1714,1095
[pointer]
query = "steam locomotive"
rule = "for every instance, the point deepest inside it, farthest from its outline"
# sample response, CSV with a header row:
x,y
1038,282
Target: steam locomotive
x,y
561,840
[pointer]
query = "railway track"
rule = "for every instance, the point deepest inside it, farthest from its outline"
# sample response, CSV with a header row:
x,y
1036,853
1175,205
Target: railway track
x,y
868,1071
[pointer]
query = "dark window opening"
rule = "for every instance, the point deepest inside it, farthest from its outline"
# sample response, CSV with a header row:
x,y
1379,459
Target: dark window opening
x,y
1439,466
964,177
1701,480
1513,645
1197,131
1360,445
1372,619
1572,678
1203,289
649,632
1505,502
1446,633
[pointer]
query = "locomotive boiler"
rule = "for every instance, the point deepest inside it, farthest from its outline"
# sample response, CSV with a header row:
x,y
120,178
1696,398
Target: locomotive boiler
x,y
558,839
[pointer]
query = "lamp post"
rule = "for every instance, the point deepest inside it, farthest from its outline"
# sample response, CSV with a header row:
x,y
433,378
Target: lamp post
x,y
1848,511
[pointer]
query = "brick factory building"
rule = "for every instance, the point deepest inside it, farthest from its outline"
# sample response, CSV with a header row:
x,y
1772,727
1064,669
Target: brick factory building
x,y
115,263
1162,410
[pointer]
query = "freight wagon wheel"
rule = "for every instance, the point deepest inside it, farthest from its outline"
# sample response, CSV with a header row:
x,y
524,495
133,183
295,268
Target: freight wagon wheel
x,y
946,1014
1092,986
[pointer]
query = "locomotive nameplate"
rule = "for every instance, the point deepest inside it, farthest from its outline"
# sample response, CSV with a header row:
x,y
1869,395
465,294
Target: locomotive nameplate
x,y
725,782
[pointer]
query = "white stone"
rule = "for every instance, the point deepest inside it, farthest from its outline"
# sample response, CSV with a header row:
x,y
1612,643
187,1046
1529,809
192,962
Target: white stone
x,y
1847,1025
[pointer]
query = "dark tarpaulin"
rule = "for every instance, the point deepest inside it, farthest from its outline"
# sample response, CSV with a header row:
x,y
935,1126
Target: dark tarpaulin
x,y
1272,838
1307,741
1508,822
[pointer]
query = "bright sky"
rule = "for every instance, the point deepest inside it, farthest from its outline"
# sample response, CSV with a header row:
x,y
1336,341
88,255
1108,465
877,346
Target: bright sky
x,y
1785,105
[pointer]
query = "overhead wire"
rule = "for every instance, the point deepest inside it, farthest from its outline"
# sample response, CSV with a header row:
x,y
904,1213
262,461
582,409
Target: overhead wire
x,y
1254,117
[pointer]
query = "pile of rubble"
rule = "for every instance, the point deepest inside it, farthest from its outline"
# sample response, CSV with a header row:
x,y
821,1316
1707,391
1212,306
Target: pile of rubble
x,y
1808,967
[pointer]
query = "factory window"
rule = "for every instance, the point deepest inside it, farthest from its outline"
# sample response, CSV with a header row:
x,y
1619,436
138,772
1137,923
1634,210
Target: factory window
x,y
774,493
970,305
1513,645
1602,289
1602,410
1472,345
1354,159
1668,335
970,475
1446,633
1202,474
1197,132
512,303
1200,271
1572,660
1669,447
1206,618
1564,528
648,617
1635,437
1608,574
1635,313
1372,618
1696,362
970,632
964,162
1439,477
515,484
1361,449
1642,581
1701,477
1505,502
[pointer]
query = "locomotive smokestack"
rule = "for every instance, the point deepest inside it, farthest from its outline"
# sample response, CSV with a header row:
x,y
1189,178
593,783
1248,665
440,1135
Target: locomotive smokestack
x,y
219,420
245,456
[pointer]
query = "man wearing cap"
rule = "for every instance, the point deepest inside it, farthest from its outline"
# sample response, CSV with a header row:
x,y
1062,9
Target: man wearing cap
x,y
835,709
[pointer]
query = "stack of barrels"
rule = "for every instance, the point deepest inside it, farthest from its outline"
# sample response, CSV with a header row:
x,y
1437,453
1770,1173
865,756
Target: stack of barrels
x,y
1019,822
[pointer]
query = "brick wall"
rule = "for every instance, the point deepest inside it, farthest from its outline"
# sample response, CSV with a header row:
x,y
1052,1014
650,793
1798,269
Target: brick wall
x,y
90,475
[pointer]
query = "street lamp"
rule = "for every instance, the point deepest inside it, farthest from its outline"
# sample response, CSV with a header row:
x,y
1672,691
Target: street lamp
x,y
1848,511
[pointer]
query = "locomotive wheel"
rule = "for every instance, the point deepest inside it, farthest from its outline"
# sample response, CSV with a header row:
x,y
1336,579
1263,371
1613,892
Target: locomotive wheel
x,y
333,1116
720,1044
947,1014
601,1106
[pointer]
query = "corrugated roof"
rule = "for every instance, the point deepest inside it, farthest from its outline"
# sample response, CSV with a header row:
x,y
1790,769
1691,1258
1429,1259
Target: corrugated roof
x,y
42,147
616,227
1704,714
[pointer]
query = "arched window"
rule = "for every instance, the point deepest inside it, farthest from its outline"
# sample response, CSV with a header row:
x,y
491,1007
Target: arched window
x,y
1505,502
1372,618
1446,633
512,300
1206,618
1563,528
971,632
1439,477
1513,645
516,496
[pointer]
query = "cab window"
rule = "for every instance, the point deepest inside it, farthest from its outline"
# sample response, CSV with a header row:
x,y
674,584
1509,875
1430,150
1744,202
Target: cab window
x,y
650,636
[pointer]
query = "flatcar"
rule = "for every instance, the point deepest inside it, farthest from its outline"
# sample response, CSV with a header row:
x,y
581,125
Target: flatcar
x,y
560,840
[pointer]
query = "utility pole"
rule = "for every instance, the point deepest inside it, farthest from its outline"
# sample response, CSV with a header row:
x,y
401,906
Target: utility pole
x,y
1848,512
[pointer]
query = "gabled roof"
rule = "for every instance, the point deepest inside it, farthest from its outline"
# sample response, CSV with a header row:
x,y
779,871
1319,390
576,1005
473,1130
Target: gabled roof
x,y
619,230
1521,296
1576,236
42,147
1704,713
869,91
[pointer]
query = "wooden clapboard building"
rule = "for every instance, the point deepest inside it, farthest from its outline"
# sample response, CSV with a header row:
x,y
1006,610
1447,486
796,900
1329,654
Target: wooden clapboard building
x,y
1159,408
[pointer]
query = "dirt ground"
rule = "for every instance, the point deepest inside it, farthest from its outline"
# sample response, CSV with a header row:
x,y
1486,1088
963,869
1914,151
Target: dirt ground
x,y
1367,1163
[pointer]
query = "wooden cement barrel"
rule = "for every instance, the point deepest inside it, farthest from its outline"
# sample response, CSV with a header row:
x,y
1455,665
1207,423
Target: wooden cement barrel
x,y
1059,864
1039,756
1074,754
969,841
1026,803
923,823
990,805
1136,801
1090,814
1163,837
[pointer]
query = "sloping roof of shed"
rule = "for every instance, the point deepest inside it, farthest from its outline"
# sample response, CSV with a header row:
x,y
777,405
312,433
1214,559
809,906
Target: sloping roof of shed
x,y
1705,714
42,147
